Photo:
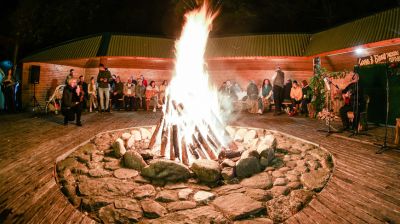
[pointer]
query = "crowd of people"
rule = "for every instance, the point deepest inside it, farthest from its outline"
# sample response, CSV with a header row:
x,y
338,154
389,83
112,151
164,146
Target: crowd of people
x,y
291,96
108,91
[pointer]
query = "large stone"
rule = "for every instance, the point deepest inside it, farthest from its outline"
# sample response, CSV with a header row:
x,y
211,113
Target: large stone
x,y
203,197
167,196
131,142
203,214
94,203
239,135
228,163
144,191
228,173
112,165
152,209
247,165
279,190
110,214
167,170
67,163
280,181
255,221
238,206
136,135
206,170
299,198
279,209
98,173
183,194
266,147
315,180
249,136
125,173
103,141
119,148
229,189
259,194
258,181
125,136
134,160
181,205
105,186
146,134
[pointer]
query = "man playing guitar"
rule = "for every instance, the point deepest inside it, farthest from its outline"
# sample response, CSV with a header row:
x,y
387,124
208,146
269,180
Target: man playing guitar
x,y
353,99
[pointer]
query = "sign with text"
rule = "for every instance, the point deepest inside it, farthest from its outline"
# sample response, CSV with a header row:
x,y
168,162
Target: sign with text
x,y
388,57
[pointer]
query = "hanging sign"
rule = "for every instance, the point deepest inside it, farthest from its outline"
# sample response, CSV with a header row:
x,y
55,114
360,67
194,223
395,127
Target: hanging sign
x,y
388,57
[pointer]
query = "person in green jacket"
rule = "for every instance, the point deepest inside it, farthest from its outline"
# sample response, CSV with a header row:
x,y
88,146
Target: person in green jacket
x,y
103,79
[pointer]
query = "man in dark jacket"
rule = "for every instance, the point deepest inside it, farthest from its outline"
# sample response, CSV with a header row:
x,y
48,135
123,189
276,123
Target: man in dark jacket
x,y
85,91
277,89
71,103
103,80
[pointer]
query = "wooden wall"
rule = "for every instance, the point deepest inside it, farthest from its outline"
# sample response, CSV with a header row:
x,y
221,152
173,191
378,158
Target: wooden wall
x,y
51,75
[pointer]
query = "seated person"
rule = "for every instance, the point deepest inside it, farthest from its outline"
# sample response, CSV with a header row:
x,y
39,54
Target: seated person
x,y
140,97
296,95
266,96
118,91
307,94
129,96
353,99
152,94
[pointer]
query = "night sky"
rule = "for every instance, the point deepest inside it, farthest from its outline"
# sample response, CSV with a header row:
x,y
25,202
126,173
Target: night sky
x,y
42,23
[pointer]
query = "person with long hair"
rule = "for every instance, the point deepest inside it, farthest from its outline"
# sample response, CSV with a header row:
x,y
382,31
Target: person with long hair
x,y
296,95
71,102
162,88
92,92
266,96
152,94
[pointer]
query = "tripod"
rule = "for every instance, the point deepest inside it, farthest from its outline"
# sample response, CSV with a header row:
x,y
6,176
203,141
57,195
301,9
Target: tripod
x,y
383,147
328,84
36,105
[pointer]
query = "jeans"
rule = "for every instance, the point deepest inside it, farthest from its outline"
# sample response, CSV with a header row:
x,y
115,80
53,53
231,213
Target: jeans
x,y
130,103
102,92
278,97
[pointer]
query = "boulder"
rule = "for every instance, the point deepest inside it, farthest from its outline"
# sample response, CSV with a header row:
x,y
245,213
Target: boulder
x,y
279,190
112,165
258,181
238,206
239,135
167,196
125,173
131,142
249,136
67,163
228,173
315,180
136,135
146,154
167,170
247,165
279,209
259,194
227,163
299,198
110,214
152,209
181,205
280,181
203,197
145,133
125,136
230,189
119,148
144,191
266,148
294,185
184,194
134,160
206,170
104,186
94,203
98,173
231,131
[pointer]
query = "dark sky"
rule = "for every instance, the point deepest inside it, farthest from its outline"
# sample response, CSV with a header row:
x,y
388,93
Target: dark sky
x,y
41,23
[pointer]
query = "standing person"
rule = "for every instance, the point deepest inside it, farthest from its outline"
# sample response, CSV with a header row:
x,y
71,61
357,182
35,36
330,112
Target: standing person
x,y
152,94
2,100
85,91
8,84
307,94
252,96
266,96
353,96
140,95
277,89
71,102
118,91
103,79
129,95
163,87
144,81
69,76
92,92
296,94
287,89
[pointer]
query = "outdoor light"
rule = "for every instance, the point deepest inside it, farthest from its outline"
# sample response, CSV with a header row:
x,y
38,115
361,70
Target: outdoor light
x,y
360,50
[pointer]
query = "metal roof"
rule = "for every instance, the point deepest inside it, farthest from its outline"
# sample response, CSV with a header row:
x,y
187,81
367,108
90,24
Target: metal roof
x,y
81,48
381,26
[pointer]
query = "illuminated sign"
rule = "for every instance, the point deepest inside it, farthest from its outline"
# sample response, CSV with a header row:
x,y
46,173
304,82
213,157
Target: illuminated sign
x,y
388,57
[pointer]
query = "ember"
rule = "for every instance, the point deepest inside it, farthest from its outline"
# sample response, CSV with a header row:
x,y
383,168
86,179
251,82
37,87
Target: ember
x,y
192,126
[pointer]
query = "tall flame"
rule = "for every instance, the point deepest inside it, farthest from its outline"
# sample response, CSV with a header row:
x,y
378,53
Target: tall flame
x,y
190,87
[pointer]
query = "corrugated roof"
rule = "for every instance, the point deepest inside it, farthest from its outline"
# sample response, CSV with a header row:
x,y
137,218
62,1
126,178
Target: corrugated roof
x,y
381,26
122,45
258,45
82,48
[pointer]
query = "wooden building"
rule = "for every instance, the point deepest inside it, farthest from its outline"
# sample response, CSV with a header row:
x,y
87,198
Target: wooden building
x,y
238,58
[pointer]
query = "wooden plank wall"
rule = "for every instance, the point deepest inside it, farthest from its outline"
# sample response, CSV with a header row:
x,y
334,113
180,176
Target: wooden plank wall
x,y
51,75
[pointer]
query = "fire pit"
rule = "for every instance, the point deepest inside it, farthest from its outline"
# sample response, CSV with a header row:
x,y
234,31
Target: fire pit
x,y
115,177
191,167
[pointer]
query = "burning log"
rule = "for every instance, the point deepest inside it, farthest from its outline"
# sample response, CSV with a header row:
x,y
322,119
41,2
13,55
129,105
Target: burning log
x,y
155,133
171,145
184,152
198,149
206,147
164,141
229,154
174,139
